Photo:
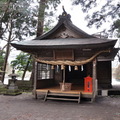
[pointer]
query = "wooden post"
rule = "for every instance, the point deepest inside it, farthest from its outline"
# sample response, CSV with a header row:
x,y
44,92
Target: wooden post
x,y
63,84
35,80
94,80
64,76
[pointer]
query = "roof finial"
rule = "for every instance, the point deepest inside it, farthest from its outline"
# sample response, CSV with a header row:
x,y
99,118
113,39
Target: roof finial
x,y
64,14
63,9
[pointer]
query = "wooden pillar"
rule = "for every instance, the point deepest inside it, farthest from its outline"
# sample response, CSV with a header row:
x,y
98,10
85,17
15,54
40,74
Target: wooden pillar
x,y
64,76
35,80
63,84
94,80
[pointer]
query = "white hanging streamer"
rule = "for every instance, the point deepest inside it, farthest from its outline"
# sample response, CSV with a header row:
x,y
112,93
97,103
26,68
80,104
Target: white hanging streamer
x,y
57,68
69,68
47,67
82,68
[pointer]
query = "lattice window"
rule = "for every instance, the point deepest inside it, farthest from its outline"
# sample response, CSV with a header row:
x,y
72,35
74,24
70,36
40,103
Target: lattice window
x,y
44,71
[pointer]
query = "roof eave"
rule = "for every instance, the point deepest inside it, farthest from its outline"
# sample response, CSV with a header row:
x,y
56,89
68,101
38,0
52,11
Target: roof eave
x,y
92,46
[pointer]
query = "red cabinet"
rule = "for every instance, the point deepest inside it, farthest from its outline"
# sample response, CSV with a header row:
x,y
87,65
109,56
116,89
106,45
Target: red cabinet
x,y
88,84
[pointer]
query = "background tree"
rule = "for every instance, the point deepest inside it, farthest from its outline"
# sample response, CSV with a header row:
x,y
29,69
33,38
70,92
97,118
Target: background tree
x,y
22,62
117,73
17,21
20,19
4,5
2,56
116,27
99,11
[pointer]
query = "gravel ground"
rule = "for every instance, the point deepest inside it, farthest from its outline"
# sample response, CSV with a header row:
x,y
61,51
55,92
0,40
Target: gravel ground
x,y
25,107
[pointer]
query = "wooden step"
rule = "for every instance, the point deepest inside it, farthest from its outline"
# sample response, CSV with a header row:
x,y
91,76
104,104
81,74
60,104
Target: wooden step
x,y
46,95
67,99
79,99
62,96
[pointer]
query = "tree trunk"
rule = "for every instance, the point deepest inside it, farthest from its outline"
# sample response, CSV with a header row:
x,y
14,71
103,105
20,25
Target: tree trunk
x,y
41,13
7,52
32,73
42,5
24,73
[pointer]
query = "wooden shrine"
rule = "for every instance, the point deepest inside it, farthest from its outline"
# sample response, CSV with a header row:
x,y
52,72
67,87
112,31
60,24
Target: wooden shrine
x,y
65,56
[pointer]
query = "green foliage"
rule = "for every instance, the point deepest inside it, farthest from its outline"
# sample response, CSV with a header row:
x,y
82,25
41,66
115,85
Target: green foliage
x,y
1,61
2,5
117,73
18,14
20,73
53,3
98,13
21,61
116,26
2,57
22,16
85,4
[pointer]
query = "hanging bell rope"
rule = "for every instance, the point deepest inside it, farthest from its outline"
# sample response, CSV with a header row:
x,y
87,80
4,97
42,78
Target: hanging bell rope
x,y
52,67
62,67
69,68
76,68
82,68
71,63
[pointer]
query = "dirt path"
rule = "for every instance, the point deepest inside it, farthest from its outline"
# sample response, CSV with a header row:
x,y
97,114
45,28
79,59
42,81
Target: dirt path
x,y
25,107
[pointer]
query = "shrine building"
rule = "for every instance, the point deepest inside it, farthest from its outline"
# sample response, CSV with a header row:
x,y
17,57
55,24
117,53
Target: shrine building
x,y
69,63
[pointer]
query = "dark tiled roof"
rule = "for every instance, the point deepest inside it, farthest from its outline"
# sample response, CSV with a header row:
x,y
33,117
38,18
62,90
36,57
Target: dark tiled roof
x,y
84,41
70,42
68,24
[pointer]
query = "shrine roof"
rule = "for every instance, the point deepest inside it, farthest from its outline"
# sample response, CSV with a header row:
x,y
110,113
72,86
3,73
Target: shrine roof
x,y
65,43
65,35
67,23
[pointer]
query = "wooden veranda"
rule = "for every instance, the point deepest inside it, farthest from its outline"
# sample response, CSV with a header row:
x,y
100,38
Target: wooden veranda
x,y
55,92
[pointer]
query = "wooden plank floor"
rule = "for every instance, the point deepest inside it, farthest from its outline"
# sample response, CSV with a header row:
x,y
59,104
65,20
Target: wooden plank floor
x,y
56,89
